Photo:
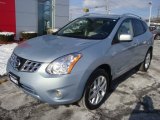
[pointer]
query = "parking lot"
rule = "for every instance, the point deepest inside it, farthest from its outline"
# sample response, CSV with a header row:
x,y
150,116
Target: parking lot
x,y
134,96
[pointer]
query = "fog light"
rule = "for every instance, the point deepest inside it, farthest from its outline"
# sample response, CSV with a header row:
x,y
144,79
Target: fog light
x,y
58,94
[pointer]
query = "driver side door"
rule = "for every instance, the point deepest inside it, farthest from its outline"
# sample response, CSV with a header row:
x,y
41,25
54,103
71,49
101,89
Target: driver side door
x,y
123,51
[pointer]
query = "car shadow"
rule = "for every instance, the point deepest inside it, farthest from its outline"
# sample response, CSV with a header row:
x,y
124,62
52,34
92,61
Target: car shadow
x,y
144,106
146,109
115,83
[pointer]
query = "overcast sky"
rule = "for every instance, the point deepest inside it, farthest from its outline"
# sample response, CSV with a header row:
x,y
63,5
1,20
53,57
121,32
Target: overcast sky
x,y
139,7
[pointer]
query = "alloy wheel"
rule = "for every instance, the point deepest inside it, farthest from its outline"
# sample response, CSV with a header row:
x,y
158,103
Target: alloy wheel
x,y
148,60
97,90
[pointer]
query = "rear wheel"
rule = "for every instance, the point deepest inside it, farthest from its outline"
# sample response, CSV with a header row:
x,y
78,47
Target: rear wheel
x,y
157,37
96,90
147,61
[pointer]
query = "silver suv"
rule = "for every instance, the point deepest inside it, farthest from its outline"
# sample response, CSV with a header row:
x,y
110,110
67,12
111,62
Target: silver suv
x,y
79,62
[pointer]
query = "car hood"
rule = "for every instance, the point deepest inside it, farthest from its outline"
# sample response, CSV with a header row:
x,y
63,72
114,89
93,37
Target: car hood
x,y
49,47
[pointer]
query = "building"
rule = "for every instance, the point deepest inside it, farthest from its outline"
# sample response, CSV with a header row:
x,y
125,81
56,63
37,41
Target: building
x,y
33,15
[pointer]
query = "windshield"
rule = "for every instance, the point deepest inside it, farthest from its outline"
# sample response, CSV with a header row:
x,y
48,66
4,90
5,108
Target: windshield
x,y
88,28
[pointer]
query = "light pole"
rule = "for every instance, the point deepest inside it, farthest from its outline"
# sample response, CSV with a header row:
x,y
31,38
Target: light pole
x,y
107,6
150,12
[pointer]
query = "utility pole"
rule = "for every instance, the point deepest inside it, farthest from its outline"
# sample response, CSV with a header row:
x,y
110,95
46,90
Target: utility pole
x,y
107,6
150,12
158,14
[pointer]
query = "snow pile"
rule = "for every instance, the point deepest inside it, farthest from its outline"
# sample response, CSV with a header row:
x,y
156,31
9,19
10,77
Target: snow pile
x,y
26,32
7,33
5,53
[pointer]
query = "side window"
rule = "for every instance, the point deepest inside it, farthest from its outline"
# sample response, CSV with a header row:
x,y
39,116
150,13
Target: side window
x,y
125,28
145,26
138,27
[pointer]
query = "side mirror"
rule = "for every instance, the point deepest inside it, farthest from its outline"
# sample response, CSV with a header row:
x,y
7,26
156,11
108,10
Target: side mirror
x,y
51,31
125,37
55,30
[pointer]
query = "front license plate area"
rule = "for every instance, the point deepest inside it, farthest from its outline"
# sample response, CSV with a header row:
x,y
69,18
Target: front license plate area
x,y
14,78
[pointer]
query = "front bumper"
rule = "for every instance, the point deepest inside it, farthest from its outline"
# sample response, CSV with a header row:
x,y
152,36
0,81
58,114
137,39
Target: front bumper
x,y
44,86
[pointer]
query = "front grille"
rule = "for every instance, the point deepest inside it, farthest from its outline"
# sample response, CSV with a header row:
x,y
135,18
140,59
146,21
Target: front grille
x,y
30,66
24,65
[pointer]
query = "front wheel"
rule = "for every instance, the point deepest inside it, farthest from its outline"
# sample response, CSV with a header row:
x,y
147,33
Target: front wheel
x,y
96,90
147,61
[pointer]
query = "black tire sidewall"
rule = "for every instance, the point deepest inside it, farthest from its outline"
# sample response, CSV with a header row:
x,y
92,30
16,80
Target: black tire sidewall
x,y
97,73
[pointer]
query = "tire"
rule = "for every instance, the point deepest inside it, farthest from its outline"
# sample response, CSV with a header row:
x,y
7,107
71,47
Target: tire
x,y
147,61
157,37
96,87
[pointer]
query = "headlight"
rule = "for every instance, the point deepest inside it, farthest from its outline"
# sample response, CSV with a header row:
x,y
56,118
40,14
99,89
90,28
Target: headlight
x,y
63,65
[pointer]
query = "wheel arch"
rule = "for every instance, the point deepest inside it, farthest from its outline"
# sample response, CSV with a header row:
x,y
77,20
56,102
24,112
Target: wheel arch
x,y
107,68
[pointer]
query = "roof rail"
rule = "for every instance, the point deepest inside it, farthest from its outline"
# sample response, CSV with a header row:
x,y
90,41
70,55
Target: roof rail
x,y
131,14
90,14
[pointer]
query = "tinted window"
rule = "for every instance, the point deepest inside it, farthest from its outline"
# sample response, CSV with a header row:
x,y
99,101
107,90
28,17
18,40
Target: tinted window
x,y
138,27
145,26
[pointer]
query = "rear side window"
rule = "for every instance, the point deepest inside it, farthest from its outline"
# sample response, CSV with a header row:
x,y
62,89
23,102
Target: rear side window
x,y
138,27
145,26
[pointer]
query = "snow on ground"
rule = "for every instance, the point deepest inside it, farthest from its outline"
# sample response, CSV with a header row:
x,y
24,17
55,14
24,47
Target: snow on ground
x,y
5,53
